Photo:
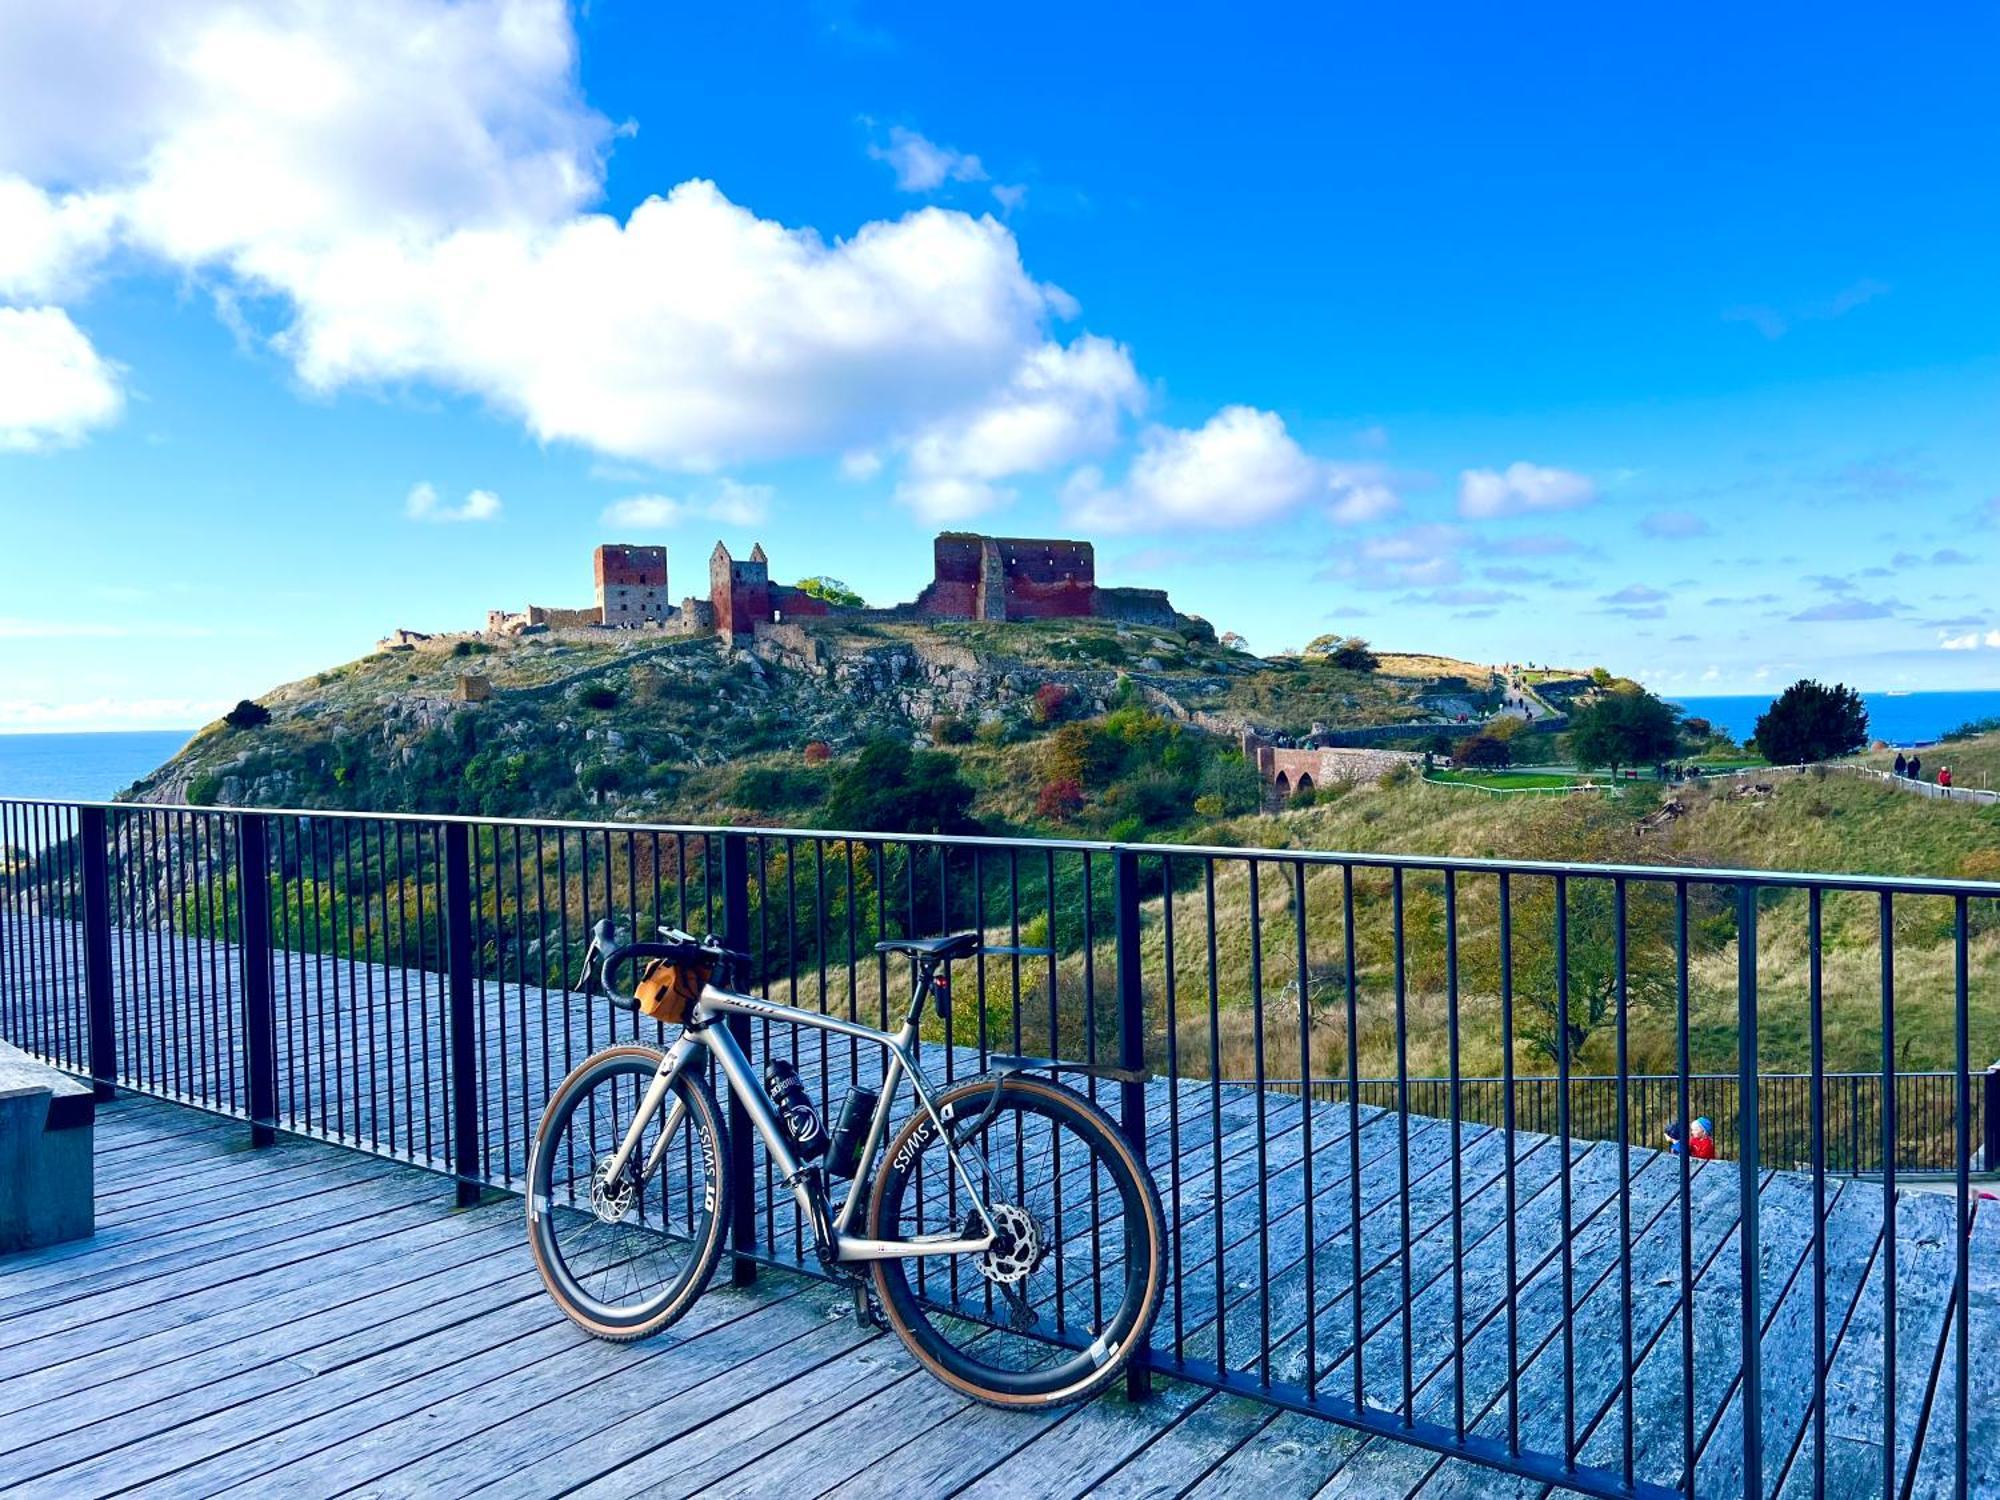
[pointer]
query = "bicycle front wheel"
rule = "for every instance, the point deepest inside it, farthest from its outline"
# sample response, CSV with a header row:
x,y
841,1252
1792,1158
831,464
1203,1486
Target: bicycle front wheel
x,y
624,1255
1052,1310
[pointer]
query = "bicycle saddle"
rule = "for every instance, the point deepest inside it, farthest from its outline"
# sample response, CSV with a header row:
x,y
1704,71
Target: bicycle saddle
x,y
945,949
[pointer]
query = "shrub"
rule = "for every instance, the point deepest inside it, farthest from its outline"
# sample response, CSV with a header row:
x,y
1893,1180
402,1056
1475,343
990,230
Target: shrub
x,y
1232,784
1305,796
1208,805
991,732
1809,721
204,789
1156,799
471,648
818,752
772,788
1354,655
831,590
1051,703
1059,800
602,779
1482,751
595,695
247,715
1389,780
889,788
950,729
1980,864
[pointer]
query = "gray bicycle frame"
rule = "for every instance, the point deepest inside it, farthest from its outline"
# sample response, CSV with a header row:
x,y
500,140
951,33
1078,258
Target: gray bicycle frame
x,y
902,1063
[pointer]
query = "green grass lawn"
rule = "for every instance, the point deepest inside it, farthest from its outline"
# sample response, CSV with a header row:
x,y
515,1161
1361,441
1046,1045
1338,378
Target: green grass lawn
x,y
1510,781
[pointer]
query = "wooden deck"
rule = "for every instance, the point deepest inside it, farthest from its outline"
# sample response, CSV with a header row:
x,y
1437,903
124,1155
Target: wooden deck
x,y
310,1320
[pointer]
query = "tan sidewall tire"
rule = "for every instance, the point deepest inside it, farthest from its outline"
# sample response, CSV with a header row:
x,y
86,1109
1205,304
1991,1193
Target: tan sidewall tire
x,y
702,1102
1097,1380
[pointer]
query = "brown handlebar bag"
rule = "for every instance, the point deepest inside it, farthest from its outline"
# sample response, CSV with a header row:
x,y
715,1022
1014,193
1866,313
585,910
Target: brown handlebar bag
x,y
667,990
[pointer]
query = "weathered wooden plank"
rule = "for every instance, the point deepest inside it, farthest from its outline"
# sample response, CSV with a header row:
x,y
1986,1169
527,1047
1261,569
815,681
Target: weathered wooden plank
x,y
123,1414
145,1280
446,1240
135,1244
704,1458
1074,1455
663,1421
1936,1470
1856,1386
1208,1433
450,1446
1853,1226
182,1296
1294,1455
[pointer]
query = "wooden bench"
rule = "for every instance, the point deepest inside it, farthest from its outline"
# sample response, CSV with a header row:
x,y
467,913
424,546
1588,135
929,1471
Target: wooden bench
x,y
46,1172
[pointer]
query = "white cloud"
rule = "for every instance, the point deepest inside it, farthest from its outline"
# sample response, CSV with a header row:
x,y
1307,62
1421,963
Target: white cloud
x,y
731,503
1064,403
1484,494
1972,640
922,165
1240,468
409,180
54,387
423,504
47,243
1361,493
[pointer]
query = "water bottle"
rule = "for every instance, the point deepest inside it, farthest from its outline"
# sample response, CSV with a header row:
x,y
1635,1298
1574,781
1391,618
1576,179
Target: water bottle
x,y
850,1131
795,1109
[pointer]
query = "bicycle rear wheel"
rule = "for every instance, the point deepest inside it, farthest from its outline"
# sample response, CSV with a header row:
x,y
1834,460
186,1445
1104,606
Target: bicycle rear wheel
x,y
1051,1312
624,1258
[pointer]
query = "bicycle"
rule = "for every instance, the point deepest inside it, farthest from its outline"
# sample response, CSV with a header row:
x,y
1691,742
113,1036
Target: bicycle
x,y
969,1251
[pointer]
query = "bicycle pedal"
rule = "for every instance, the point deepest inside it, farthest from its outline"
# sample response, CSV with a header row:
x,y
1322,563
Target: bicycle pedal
x,y
867,1309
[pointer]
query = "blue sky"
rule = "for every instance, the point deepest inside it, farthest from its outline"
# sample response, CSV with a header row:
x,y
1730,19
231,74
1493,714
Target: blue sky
x,y
1666,342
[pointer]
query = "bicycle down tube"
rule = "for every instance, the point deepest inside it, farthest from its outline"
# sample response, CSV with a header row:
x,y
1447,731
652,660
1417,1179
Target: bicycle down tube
x,y
845,1246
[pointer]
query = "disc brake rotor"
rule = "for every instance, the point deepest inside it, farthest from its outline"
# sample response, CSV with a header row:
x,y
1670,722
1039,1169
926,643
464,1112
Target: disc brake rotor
x,y
1016,1249
610,1200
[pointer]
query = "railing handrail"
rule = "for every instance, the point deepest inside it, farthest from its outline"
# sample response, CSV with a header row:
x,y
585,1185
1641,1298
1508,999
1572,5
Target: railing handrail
x,y
1911,885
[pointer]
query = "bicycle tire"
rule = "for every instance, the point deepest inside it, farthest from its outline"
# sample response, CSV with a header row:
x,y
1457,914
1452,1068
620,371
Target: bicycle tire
x,y
929,1325
551,1202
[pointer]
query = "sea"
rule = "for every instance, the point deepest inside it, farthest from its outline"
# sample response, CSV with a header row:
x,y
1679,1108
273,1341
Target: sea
x,y
1898,718
82,767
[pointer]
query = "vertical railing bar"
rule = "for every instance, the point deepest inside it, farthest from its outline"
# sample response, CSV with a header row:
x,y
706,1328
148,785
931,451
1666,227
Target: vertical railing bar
x,y
460,967
1263,1130
1962,1290
259,1017
1816,1024
1171,1000
1563,1128
1305,1124
736,935
1622,943
1887,918
1132,1054
1507,1107
1215,1111
1457,1105
1399,943
1749,1183
1353,1131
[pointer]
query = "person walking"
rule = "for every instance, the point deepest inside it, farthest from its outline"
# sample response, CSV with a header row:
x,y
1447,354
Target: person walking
x,y
1944,777
1902,766
1916,768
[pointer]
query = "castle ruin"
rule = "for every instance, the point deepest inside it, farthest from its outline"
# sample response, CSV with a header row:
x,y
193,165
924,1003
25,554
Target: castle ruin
x,y
973,578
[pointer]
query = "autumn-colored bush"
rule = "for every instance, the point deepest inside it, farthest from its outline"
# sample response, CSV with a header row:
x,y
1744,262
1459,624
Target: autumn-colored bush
x,y
1061,799
1051,703
818,752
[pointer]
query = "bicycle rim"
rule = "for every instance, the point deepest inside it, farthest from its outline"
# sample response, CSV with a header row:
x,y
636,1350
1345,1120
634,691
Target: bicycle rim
x,y
1052,1312
625,1256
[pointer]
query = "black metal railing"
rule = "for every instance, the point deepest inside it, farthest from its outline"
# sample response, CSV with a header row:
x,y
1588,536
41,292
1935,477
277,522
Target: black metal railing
x,y
1404,1113
1850,1111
